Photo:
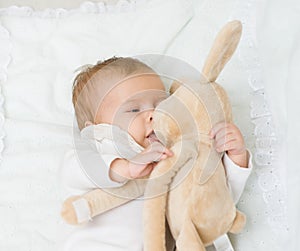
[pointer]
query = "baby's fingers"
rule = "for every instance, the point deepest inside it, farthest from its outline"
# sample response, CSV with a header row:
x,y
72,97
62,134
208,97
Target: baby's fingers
x,y
145,158
168,152
163,156
221,129
159,148
216,128
224,140
153,153
139,171
226,147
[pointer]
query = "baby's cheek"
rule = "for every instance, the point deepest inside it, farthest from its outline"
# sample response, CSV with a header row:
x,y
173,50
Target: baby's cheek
x,y
123,120
137,130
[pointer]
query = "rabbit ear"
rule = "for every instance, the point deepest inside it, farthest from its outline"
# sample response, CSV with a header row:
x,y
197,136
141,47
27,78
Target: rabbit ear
x,y
222,50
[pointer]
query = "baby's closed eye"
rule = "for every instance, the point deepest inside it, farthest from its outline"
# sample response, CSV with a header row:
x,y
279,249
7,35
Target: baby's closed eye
x,y
134,110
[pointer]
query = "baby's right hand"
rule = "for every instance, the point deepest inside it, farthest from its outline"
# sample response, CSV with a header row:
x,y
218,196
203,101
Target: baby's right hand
x,y
141,165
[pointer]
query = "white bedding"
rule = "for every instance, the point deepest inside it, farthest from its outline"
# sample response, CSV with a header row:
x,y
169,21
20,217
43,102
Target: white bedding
x,y
280,50
39,52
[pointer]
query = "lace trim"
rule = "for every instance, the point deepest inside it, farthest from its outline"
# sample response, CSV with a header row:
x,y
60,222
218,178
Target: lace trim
x,y
5,59
86,7
266,149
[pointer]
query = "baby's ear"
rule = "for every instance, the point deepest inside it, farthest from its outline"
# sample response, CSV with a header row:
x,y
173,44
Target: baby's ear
x,y
174,86
88,123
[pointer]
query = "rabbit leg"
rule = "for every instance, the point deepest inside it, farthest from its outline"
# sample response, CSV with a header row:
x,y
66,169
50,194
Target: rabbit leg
x,y
189,238
80,209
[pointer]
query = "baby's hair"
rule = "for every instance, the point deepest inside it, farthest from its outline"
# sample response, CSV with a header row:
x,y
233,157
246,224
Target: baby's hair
x,y
121,66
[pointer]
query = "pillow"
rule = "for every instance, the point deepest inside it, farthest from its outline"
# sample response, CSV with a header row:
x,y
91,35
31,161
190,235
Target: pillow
x,y
39,52
47,48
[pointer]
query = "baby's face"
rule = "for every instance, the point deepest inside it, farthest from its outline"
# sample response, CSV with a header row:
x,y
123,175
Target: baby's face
x,y
130,106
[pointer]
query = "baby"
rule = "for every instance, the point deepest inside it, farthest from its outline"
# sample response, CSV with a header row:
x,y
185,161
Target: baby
x,y
114,101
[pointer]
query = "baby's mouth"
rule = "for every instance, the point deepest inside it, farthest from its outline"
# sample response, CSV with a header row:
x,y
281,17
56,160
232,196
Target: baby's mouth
x,y
152,137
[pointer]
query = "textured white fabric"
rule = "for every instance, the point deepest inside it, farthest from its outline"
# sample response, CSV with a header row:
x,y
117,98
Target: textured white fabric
x,y
279,50
116,230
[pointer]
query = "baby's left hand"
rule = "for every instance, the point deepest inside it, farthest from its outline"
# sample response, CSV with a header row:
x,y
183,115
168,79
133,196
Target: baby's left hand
x,y
229,138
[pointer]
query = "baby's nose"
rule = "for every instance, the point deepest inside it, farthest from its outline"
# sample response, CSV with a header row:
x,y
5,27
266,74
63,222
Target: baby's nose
x,y
150,116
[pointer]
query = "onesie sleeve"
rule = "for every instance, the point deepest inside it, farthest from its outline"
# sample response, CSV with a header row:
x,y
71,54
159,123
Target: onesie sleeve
x,y
95,165
84,169
237,176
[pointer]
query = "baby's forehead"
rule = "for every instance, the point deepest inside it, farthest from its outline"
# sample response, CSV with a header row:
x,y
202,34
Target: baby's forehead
x,y
143,84
151,94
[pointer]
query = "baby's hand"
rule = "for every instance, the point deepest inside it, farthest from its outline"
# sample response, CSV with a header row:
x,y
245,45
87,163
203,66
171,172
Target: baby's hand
x,y
141,165
229,138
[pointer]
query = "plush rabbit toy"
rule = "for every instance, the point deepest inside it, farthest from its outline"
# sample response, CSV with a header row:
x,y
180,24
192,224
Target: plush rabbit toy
x,y
188,189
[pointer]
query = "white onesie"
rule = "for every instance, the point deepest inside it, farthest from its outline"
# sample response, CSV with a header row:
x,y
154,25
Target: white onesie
x,y
85,169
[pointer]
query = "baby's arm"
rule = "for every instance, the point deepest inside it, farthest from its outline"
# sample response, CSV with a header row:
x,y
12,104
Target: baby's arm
x,y
139,166
79,209
237,159
84,168
89,168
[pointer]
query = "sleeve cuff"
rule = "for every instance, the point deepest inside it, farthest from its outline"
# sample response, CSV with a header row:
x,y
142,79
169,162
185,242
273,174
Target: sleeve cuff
x,y
96,166
237,176
108,159
235,170
102,179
